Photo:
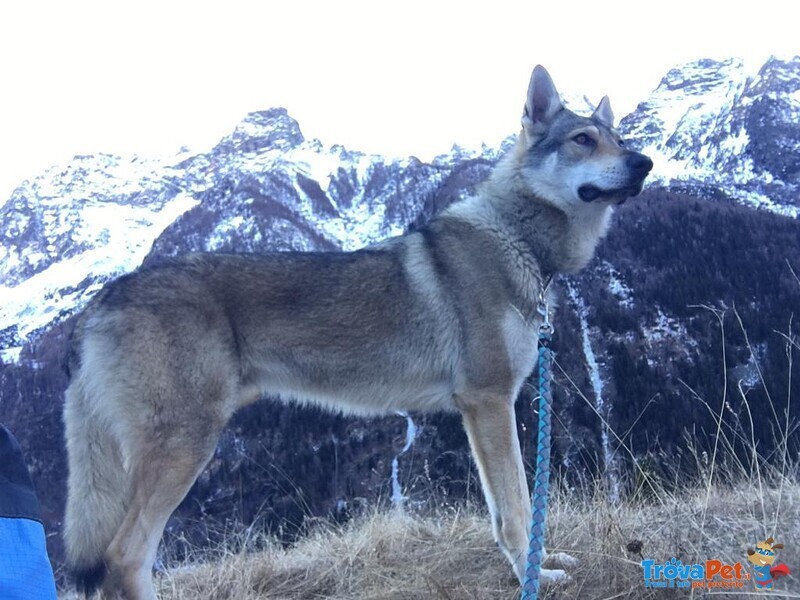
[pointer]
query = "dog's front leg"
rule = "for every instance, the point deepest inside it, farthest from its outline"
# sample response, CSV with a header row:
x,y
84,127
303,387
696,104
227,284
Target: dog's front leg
x,y
491,428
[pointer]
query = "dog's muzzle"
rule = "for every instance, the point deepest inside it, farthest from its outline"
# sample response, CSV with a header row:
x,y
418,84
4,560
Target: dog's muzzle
x,y
638,166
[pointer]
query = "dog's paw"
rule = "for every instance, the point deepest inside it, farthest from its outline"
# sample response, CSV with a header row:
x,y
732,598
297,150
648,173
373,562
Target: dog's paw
x,y
561,560
553,577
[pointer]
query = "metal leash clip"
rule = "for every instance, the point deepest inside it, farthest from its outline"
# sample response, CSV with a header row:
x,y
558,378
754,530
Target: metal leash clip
x,y
546,327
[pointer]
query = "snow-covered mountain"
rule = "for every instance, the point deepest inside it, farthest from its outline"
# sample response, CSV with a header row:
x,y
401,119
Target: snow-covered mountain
x,y
263,187
73,228
726,127
713,128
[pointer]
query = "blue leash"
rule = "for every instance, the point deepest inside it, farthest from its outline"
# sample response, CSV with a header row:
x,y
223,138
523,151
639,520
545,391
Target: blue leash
x,y
530,586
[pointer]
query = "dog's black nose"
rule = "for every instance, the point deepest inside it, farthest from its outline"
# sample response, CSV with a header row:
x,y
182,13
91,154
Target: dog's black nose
x,y
639,164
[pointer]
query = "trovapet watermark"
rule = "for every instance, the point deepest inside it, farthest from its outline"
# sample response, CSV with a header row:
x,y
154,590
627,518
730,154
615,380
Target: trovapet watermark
x,y
761,572
709,574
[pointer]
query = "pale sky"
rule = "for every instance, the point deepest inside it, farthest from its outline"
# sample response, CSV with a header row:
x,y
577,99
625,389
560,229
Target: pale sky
x,y
398,78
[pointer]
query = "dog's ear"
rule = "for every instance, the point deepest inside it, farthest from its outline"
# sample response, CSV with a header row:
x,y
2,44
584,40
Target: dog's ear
x,y
769,540
603,112
542,103
777,547
750,552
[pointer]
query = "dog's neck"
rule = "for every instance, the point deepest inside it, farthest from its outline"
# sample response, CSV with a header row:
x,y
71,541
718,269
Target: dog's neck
x,y
562,241
573,237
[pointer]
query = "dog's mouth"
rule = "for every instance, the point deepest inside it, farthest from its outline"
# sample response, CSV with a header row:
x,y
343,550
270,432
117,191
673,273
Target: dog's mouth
x,y
589,192
638,166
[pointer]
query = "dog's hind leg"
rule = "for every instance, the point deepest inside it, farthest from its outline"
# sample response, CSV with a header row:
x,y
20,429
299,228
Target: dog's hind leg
x,y
162,476
490,424
172,422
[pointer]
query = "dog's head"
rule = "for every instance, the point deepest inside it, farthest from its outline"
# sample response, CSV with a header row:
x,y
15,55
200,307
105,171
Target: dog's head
x,y
764,554
570,160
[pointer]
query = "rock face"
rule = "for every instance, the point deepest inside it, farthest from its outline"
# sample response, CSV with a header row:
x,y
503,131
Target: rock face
x,y
639,360
263,187
721,127
714,129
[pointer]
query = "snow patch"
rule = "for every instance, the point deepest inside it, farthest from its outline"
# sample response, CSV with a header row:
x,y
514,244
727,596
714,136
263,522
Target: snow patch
x,y
600,405
667,330
617,287
398,498
128,231
10,355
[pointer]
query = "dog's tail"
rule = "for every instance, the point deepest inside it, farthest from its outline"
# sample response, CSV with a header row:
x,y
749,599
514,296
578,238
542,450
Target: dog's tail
x,y
98,485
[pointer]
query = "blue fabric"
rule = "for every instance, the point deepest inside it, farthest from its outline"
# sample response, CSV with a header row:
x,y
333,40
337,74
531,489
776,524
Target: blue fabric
x,y
25,571
17,498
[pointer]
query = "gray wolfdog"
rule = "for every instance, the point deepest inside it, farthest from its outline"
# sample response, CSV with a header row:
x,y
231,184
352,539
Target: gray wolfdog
x,y
443,318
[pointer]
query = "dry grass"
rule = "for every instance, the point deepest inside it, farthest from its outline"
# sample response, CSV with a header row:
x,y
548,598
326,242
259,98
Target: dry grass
x,y
395,555
692,526
388,555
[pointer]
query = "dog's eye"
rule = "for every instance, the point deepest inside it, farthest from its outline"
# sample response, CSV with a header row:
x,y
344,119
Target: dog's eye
x,y
582,139
621,143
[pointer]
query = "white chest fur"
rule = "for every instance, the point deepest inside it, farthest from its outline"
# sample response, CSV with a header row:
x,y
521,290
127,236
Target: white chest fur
x,y
520,338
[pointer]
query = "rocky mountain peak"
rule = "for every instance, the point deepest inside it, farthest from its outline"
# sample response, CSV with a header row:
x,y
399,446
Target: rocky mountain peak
x,y
701,76
721,128
780,73
713,128
270,129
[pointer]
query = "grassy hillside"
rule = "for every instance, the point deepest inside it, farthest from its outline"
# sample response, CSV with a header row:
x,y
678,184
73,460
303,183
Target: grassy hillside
x,y
448,553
